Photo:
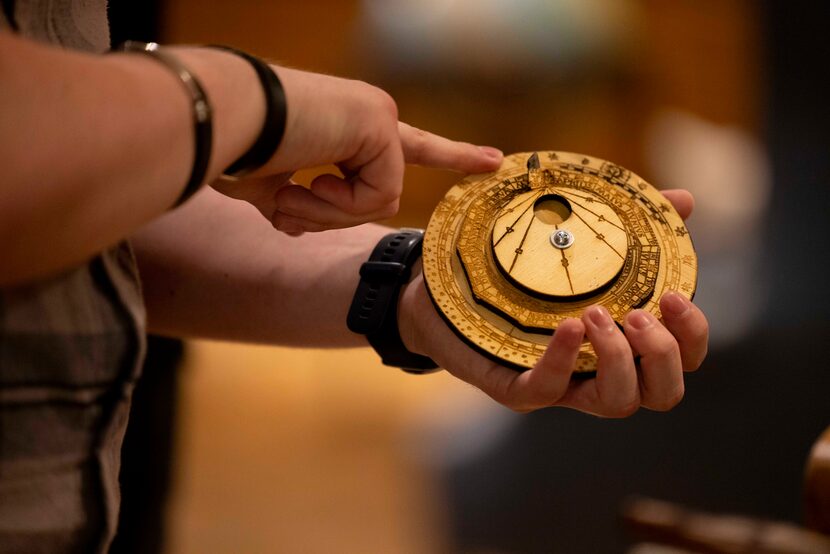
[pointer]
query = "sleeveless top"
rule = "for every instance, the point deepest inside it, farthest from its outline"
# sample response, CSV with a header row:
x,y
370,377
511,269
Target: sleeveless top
x,y
71,347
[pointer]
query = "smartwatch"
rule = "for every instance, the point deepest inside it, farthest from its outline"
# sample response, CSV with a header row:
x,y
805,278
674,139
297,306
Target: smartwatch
x,y
374,309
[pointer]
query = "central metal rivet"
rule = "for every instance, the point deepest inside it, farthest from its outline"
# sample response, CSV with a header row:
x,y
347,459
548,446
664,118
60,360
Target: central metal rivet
x,y
561,239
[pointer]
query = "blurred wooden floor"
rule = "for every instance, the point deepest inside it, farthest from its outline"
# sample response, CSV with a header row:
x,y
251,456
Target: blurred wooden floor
x,y
283,450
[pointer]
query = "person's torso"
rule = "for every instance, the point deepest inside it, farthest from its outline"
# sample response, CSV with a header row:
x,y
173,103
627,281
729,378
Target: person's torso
x,y
70,351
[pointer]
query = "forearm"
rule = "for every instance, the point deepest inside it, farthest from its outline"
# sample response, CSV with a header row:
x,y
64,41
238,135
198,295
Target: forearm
x,y
95,146
217,269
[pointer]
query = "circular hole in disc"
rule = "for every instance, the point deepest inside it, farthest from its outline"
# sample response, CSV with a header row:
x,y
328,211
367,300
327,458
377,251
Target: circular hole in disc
x,y
552,209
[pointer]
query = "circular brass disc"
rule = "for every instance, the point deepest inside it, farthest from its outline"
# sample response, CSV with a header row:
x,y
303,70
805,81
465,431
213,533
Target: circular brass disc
x,y
495,273
525,250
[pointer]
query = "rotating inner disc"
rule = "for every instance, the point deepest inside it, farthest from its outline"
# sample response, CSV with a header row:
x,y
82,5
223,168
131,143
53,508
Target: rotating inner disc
x,y
559,243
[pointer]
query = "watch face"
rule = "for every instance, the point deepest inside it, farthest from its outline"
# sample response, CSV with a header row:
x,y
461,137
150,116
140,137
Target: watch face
x,y
509,255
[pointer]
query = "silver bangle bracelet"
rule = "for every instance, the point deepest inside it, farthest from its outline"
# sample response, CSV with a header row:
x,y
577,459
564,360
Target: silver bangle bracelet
x,y
202,112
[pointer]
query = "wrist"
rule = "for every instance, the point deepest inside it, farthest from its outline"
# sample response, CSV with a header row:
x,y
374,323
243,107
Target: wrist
x,y
236,97
376,306
410,304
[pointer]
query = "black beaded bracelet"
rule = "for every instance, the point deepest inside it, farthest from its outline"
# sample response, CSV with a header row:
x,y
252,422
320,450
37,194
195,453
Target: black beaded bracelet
x,y
202,113
273,127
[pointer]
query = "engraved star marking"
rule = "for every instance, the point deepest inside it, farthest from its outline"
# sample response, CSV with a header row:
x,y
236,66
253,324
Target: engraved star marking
x,y
680,231
665,208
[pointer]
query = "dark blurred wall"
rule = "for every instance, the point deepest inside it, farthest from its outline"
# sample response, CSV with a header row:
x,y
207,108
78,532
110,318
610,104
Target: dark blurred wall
x,y
134,20
798,134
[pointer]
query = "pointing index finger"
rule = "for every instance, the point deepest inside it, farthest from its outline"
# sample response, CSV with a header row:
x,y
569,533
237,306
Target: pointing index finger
x,y
430,150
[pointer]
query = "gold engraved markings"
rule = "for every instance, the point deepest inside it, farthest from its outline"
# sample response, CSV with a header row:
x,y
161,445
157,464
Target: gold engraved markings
x,y
496,311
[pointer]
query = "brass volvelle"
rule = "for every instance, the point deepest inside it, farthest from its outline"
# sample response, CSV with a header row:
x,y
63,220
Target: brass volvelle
x,y
509,255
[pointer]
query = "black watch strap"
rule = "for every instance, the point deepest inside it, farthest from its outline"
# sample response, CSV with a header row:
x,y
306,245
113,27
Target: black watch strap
x,y
374,309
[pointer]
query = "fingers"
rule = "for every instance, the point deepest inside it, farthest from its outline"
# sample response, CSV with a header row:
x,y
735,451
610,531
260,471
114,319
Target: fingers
x,y
355,126
423,329
372,185
548,381
430,150
371,188
665,351
661,371
689,327
298,206
682,200
617,390
256,191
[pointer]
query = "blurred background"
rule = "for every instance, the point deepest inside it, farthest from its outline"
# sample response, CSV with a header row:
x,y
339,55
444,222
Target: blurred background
x,y
259,449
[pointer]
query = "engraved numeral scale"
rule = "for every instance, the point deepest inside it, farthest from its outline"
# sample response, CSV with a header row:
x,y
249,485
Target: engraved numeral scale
x,y
509,255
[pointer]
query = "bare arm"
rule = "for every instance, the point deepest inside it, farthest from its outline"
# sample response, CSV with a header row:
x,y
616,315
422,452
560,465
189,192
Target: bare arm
x,y
92,147
216,269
